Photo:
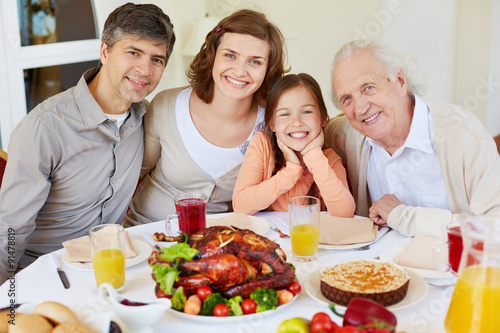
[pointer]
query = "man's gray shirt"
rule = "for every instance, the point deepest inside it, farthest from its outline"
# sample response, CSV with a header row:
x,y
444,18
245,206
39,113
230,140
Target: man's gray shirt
x,y
69,168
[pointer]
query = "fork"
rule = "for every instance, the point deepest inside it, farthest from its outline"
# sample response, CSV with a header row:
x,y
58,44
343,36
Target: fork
x,y
152,242
282,235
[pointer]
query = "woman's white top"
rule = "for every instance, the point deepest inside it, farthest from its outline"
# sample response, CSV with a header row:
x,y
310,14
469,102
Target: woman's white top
x,y
212,159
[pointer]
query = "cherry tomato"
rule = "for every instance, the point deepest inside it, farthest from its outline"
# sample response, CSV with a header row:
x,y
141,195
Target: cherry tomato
x,y
203,292
248,306
161,294
321,323
294,287
320,315
221,310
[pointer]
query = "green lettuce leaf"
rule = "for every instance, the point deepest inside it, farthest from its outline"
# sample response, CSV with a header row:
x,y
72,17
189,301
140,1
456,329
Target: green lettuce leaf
x,y
165,275
179,250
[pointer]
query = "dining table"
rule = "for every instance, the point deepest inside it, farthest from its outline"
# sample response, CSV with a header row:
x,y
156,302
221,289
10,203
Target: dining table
x,y
40,282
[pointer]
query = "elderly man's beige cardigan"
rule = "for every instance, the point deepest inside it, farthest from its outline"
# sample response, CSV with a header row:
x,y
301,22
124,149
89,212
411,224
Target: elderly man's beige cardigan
x,y
469,162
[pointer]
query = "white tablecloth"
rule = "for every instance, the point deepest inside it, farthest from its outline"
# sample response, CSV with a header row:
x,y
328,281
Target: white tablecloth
x,y
40,282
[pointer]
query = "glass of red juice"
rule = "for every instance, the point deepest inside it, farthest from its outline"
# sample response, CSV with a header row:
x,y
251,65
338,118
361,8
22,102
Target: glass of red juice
x,y
454,246
191,213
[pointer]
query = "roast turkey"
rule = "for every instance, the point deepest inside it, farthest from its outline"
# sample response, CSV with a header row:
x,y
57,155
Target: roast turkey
x,y
231,261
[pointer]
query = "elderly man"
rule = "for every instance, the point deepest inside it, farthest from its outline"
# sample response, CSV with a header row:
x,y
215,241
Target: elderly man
x,y
418,161
75,159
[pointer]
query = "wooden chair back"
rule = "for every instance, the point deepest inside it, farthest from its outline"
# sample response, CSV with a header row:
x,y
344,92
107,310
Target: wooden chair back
x,y
3,164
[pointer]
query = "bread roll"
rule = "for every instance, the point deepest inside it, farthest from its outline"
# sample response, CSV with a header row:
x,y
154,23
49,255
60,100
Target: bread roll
x,y
4,321
55,312
30,323
73,327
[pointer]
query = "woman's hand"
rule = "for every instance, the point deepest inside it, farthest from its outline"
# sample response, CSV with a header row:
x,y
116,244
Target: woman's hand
x,y
288,153
316,142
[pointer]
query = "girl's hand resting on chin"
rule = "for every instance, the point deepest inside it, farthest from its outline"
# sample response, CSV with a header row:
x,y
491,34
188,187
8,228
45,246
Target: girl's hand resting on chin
x,y
316,142
288,153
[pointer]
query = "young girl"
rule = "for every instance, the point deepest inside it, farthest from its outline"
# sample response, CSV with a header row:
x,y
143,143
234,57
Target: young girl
x,y
288,160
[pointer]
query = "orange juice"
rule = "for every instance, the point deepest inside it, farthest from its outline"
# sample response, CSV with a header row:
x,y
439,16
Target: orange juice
x,y
305,238
109,266
475,302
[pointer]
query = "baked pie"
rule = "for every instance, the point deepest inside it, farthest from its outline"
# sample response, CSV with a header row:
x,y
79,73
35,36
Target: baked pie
x,y
380,281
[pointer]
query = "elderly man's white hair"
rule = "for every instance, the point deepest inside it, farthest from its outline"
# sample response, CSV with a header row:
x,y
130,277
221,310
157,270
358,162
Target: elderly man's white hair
x,y
393,61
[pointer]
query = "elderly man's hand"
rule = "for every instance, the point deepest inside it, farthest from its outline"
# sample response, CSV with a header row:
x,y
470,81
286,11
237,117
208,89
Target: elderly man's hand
x,y
380,210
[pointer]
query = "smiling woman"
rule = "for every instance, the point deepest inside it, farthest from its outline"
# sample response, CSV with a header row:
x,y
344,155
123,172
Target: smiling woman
x,y
196,137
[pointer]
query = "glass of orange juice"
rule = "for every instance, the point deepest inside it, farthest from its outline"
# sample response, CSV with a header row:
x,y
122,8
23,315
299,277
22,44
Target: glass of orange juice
x,y
108,259
476,298
304,227
475,302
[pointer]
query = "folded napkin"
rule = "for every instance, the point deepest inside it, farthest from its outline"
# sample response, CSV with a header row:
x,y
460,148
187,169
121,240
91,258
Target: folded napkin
x,y
419,253
344,231
238,220
79,248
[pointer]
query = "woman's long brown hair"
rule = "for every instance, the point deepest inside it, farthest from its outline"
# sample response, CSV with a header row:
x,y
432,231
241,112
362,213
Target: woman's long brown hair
x,y
247,22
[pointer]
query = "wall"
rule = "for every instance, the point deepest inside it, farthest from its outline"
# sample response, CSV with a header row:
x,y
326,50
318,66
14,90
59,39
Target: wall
x,y
455,42
472,56
493,89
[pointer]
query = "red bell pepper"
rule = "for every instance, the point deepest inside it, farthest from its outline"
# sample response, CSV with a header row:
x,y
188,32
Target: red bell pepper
x,y
364,313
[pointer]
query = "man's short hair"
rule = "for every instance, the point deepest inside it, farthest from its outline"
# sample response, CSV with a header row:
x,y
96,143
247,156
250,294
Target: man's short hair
x,y
139,21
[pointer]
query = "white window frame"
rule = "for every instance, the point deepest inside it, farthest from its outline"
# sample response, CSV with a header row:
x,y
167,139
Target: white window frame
x,y
14,59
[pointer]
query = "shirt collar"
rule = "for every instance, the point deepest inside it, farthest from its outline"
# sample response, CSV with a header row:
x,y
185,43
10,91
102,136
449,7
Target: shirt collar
x,y
419,137
92,114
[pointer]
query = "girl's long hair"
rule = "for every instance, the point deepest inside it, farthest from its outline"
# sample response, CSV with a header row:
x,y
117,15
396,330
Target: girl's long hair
x,y
281,86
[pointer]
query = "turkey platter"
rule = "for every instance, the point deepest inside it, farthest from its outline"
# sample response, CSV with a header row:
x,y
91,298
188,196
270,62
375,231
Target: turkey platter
x,y
231,261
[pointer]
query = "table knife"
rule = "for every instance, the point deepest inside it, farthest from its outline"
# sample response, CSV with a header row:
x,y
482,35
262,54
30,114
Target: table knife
x,y
151,241
62,274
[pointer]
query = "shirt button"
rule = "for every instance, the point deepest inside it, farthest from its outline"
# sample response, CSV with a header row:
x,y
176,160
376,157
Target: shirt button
x,y
113,180
117,134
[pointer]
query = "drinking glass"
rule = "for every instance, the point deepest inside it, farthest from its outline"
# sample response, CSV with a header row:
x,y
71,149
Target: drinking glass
x,y
476,298
108,259
304,227
191,214
454,246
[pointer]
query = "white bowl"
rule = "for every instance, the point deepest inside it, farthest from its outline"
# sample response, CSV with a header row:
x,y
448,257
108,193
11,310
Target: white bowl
x,y
138,318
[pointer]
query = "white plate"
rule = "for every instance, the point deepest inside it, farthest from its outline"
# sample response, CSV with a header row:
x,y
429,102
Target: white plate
x,y
257,224
232,319
381,232
390,254
143,248
416,290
